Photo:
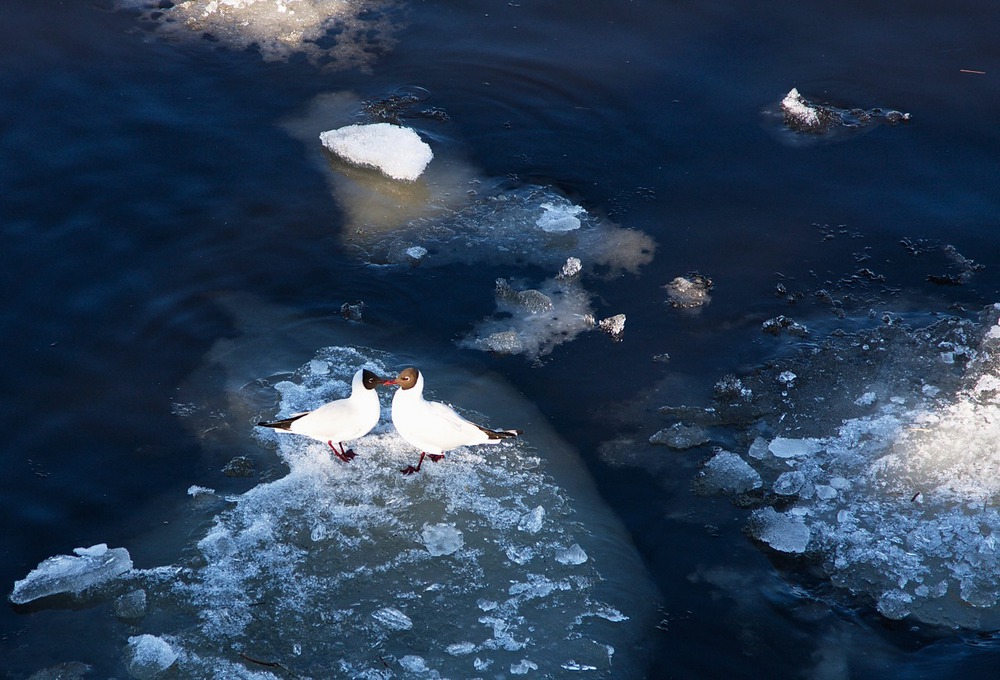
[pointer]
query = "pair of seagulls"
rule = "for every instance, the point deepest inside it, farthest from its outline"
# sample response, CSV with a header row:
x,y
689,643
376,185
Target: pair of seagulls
x,y
430,426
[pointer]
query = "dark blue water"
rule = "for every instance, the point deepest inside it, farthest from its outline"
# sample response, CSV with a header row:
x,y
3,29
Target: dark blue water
x,y
144,178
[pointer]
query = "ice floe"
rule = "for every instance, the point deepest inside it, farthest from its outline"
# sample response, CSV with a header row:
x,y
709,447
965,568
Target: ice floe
x,y
882,464
490,562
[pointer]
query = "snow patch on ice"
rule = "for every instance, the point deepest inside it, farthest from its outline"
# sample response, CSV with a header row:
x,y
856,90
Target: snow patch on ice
x,y
396,151
332,33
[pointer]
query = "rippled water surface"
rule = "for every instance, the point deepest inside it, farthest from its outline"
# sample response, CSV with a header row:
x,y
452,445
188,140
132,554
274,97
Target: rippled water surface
x,y
173,232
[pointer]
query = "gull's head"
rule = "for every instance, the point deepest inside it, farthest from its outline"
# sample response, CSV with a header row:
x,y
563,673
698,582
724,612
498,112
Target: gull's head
x,y
370,380
407,378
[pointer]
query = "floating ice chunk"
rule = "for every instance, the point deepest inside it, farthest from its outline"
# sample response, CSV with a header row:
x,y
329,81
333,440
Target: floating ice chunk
x,y
572,665
195,491
758,449
799,114
782,447
691,292
414,664
572,555
780,531
782,323
681,437
532,521
727,473
803,116
559,218
789,483
571,268
394,150
148,657
786,378
460,648
894,604
319,367
825,492
866,399
392,618
68,574
442,539
613,326
523,667
131,605
416,253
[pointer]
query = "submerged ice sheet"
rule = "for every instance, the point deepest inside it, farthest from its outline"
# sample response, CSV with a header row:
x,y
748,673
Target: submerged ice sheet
x,y
882,463
533,321
336,34
482,565
449,215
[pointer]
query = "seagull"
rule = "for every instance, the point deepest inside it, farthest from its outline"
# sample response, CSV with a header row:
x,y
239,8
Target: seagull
x,y
341,420
431,426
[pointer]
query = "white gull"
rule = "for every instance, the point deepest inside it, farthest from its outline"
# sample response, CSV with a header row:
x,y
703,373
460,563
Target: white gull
x,y
431,426
341,420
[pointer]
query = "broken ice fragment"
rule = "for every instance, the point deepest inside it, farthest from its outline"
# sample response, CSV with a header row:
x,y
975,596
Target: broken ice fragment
x,y
780,531
572,267
522,667
559,218
613,326
147,657
131,605
572,555
726,473
69,574
396,151
416,253
689,293
894,604
782,447
531,522
789,483
392,618
531,300
460,648
442,539
680,437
